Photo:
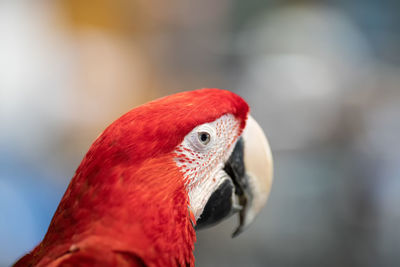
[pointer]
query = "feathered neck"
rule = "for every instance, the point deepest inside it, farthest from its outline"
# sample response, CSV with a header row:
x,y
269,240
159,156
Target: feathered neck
x,y
140,209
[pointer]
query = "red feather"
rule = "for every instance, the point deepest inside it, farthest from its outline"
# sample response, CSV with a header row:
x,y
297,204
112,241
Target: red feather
x,y
127,204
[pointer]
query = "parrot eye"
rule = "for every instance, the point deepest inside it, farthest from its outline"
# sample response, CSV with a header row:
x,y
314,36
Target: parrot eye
x,y
204,137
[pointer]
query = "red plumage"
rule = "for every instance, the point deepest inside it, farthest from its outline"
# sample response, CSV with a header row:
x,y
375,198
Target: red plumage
x,y
126,204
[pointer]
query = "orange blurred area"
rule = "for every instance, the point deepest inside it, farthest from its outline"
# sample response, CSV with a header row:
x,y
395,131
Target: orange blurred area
x,y
321,77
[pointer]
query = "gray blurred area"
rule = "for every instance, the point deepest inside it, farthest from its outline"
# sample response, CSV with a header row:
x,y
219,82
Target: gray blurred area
x,y
321,77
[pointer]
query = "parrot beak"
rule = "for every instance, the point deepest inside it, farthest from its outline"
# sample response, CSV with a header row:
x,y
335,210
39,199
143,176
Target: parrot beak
x,y
253,188
247,183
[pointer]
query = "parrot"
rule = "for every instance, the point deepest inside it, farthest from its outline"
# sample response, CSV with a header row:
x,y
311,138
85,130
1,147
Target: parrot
x,y
155,176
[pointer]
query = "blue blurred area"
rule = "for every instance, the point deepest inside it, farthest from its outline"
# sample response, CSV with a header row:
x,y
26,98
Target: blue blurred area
x,y
28,200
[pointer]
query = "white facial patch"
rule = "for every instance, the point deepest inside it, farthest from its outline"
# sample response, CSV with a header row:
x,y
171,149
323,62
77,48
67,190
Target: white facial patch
x,y
201,158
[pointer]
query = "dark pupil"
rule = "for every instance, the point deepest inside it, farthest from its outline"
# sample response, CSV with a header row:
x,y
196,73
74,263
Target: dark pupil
x,y
204,137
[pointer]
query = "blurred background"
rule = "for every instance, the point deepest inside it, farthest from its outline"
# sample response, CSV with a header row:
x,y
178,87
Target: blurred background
x,y
321,77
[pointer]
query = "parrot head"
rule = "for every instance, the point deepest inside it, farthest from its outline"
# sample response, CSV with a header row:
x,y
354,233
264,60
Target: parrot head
x,y
162,170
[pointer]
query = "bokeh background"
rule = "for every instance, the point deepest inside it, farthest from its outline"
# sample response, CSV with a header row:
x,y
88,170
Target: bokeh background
x,y
322,78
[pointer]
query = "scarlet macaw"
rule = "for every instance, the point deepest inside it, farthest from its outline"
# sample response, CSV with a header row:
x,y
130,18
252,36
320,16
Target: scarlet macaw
x,y
156,174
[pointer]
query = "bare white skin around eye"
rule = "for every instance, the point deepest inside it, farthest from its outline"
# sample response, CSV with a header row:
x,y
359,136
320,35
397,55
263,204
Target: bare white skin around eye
x,y
202,162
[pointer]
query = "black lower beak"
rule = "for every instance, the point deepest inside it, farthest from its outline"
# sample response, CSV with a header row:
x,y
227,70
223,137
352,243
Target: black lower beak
x,y
232,195
235,168
218,207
